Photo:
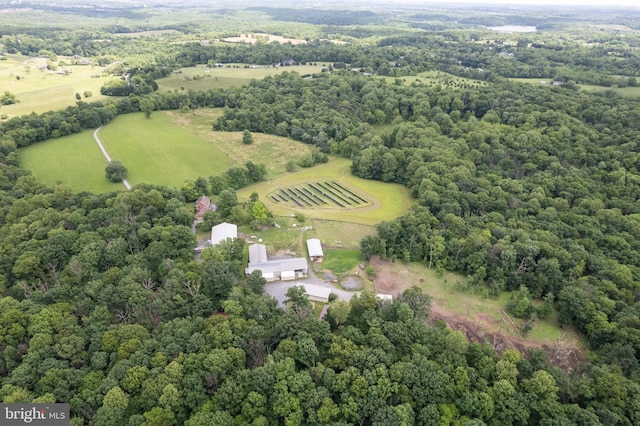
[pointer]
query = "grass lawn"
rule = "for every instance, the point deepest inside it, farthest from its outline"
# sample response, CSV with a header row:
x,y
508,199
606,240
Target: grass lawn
x,y
272,151
341,234
340,261
74,160
205,78
38,90
387,201
157,151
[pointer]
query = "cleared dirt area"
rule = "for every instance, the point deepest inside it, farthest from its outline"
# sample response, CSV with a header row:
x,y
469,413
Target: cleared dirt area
x,y
481,321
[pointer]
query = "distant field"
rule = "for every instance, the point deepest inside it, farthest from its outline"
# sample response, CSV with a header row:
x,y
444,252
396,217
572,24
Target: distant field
x,y
39,90
157,151
272,151
438,78
387,201
232,75
262,37
625,92
73,160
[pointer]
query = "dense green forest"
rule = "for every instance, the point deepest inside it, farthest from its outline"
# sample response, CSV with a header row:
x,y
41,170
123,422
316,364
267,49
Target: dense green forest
x,y
524,188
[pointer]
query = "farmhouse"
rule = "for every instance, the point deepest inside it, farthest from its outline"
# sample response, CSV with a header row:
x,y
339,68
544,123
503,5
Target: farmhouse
x,y
223,231
315,250
275,269
203,205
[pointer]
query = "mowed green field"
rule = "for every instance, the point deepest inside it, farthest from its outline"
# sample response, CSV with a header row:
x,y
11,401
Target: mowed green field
x,y
73,160
157,151
205,78
387,201
272,151
39,90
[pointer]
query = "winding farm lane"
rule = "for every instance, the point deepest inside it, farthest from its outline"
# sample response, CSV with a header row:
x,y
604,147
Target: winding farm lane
x,y
106,155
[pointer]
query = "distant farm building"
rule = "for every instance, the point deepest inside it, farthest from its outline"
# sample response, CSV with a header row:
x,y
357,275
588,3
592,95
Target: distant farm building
x,y
315,250
223,231
275,269
203,205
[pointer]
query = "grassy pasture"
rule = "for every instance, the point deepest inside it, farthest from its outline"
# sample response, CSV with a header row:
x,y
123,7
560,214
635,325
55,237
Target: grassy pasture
x,y
625,92
272,151
433,78
341,234
74,160
386,201
159,152
204,78
39,90
472,308
339,261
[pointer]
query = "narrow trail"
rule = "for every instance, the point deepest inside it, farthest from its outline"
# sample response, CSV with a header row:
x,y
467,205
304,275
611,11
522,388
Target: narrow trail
x,y
106,155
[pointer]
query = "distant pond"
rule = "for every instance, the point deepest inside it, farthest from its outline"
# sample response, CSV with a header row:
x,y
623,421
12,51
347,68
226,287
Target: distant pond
x,y
513,29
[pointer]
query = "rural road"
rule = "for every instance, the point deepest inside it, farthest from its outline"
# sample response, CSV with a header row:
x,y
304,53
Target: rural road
x,y
106,155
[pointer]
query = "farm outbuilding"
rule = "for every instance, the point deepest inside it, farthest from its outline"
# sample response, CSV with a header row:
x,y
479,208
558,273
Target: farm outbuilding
x,y
315,250
223,231
317,293
275,269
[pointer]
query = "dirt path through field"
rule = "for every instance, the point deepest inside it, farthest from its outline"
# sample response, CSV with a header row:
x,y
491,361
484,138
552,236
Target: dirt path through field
x,y
106,154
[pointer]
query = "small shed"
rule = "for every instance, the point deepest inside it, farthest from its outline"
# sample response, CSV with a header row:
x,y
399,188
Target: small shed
x,y
317,293
382,296
315,250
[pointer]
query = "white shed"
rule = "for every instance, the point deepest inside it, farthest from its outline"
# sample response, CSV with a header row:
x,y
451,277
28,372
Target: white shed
x,y
315,250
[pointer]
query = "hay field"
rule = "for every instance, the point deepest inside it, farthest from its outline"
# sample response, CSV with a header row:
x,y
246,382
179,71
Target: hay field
x,y
40,90
74,160
157,151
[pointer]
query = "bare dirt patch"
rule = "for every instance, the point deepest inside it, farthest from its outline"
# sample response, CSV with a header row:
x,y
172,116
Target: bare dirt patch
x,y
483,327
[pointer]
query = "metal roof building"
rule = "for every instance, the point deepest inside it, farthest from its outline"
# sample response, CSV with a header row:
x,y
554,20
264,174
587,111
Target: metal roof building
x,y
315,250
223,231
275,269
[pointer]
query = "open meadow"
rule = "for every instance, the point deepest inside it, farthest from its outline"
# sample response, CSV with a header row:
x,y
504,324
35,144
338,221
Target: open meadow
x,y
74,160
272,151
386,201
477,316
438,78
39,90
625,92
157,151
230,75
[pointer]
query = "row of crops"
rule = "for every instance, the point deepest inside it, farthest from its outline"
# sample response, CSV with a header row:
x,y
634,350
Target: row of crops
x,y
318,194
